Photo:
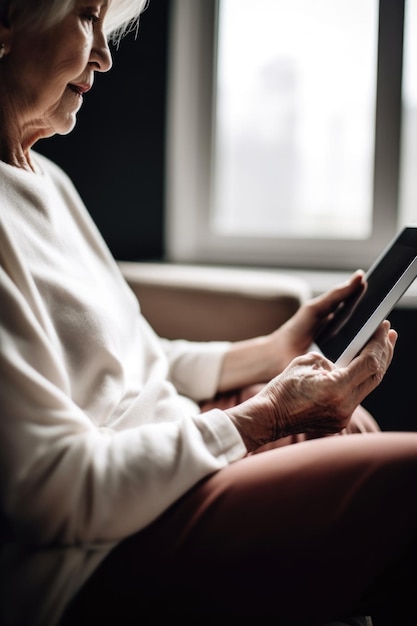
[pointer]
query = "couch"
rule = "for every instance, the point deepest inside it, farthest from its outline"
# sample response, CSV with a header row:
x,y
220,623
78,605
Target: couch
x,y
211,302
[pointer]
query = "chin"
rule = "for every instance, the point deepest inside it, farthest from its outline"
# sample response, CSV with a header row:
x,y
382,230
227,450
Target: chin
x,y
66,127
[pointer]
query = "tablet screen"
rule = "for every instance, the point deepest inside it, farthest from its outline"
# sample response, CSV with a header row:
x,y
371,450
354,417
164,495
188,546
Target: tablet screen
x,y
387,280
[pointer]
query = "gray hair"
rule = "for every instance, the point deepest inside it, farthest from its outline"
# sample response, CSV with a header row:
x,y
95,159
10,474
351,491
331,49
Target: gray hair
x,y
122,15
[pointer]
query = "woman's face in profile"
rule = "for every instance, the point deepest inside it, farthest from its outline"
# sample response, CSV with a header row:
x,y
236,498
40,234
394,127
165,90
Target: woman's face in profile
x,y
50,71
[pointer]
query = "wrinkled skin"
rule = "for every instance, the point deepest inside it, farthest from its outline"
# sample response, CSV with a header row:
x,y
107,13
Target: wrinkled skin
x,y
312,395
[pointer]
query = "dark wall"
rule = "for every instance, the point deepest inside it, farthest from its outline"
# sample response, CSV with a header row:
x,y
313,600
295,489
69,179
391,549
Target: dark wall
x,y
115,154
394,402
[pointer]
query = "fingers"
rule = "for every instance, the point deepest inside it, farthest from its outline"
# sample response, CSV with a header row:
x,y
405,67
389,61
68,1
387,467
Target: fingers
x,y
367,370
329,301
302,327
353,383
346,294
312,395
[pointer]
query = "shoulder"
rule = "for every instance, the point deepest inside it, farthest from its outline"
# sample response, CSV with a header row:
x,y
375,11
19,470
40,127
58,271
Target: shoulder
x,y
60,180
49,167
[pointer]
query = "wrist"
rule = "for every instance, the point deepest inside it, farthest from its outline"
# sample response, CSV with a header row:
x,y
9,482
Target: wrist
x,y
254,423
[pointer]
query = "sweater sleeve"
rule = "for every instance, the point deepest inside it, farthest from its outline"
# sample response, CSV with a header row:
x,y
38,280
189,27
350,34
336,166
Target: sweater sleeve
x,y
63,479
194,367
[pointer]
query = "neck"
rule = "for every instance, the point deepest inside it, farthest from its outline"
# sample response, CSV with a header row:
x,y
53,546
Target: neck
x,y
13,150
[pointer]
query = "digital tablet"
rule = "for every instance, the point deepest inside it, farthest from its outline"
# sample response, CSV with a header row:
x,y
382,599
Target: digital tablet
x,y
356,320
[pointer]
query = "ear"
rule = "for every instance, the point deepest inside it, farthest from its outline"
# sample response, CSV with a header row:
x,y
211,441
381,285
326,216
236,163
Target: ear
x,y
5,28
5,38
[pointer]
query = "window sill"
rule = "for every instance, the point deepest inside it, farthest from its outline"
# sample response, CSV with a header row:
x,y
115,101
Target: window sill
x,y
320,281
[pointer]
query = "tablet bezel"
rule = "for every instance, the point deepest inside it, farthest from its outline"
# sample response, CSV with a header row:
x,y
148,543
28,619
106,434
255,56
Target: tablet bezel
x,y
342,346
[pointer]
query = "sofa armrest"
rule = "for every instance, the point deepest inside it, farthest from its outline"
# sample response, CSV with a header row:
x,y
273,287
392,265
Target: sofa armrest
x,y
206,303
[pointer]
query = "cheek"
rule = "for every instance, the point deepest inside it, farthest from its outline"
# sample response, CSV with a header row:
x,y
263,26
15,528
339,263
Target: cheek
x,y
71,66
66,62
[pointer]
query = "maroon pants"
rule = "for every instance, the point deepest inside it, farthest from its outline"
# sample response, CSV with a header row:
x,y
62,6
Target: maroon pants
x,y
301,534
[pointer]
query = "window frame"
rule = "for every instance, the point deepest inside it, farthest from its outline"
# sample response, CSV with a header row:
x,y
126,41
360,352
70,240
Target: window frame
x,y
190,116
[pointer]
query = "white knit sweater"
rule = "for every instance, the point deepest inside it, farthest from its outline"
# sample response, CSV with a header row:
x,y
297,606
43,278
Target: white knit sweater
x,y
99,427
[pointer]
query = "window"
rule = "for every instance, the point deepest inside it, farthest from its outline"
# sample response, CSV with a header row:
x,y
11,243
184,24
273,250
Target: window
x,y
290,135
294,125
408,171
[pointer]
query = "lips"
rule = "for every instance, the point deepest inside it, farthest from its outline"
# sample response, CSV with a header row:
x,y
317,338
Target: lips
x,y
79,89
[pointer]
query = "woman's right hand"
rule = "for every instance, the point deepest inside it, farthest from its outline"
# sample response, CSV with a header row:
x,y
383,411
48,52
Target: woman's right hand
x,y
312,395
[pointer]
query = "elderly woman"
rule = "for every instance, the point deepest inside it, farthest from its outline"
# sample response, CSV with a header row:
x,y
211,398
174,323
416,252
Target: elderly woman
x,y
132,484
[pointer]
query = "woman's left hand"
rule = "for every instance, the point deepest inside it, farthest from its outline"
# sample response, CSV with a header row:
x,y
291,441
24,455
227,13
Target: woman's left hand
x,y
296,336
260,359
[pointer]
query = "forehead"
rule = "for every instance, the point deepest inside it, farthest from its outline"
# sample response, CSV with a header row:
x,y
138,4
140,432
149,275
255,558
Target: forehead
x,y
93,4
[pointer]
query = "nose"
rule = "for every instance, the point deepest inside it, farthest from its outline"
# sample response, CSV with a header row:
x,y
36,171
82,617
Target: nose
x,y
100,56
